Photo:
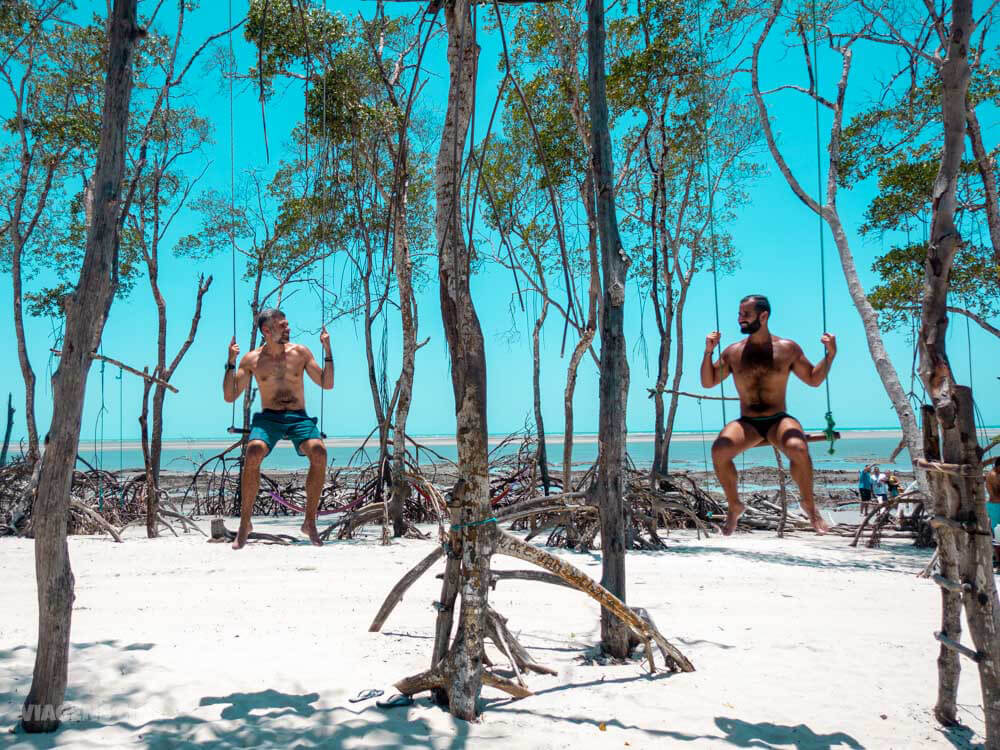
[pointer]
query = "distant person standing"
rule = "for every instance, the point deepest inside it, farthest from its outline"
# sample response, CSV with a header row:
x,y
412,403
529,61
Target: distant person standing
x,y
893,484
881,487
993,494
865,487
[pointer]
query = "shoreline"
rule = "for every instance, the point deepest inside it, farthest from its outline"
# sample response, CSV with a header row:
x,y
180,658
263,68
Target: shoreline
x,y
354,441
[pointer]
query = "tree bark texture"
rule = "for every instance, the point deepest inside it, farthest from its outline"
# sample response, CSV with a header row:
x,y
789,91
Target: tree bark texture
x,y
86,312
965,548
607,489
470,544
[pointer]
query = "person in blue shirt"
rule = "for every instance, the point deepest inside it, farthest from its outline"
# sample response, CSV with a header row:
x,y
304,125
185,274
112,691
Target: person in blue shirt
x,y
865,484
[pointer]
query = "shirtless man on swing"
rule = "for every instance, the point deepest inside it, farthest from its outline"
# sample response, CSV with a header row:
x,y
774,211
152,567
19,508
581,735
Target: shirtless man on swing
x,y
760,365
278,367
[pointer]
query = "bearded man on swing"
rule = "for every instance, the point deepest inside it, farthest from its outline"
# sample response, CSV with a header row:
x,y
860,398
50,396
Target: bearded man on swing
x,y
760,365
278,367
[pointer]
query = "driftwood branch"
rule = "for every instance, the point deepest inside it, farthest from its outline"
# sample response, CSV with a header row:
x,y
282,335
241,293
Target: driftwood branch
x,y
144,375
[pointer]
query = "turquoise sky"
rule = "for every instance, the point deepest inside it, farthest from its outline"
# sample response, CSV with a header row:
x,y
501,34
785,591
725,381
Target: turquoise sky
x,y
775,233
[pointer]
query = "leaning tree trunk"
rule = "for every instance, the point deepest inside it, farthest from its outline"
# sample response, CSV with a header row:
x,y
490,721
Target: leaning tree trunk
x,y
458,675
961,520
607,489
86,311
828,211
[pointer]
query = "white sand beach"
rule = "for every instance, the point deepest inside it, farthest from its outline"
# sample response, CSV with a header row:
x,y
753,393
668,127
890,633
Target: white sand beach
x,y
800,642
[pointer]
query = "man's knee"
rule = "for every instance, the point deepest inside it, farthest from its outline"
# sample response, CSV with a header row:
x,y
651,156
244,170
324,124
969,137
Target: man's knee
x,y
316,452
723,449
256,450
795,448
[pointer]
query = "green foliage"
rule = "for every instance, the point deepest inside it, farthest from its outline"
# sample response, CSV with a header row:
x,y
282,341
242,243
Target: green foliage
x,y
898,295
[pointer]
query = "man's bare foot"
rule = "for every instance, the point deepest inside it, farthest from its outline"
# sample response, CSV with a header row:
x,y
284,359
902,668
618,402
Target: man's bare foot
x,y
732,517
818,523
241,536
309,529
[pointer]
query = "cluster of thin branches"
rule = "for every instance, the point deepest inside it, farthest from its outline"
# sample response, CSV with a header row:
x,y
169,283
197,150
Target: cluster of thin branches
x,y
100,501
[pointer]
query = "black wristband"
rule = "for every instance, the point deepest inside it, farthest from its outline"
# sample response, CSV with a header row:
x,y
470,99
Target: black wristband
x,y
230,366
328,359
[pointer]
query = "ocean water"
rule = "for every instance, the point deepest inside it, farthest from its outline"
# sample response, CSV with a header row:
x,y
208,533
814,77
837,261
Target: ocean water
x,y
688,452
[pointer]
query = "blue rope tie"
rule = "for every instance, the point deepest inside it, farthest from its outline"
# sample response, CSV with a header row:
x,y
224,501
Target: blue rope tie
x,y
458,526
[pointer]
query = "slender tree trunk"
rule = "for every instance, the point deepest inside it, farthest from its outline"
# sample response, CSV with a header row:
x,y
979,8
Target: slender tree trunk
x,y
152,480
27,372
678,371
541,455
589,332
403,265
987,171
607,490
876,347
472,540
661,439
965,550
10,426
86,312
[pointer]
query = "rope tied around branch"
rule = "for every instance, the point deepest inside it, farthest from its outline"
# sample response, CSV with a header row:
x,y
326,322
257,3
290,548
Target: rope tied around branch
x,y
484,522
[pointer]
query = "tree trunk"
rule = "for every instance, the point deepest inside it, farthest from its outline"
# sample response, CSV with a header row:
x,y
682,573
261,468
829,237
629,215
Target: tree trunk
x,y
10,426
587,336
470,539
541,455
678,371
949,667
607,489
403,264
152,480
987,171
661,440
86,312
876,347
27,372
965,547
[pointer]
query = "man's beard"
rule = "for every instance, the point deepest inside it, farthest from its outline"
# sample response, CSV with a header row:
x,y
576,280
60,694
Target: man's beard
x,y
750,328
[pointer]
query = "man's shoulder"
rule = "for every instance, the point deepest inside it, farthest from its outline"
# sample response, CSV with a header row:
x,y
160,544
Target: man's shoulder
x,y
299,351
736,346
785,346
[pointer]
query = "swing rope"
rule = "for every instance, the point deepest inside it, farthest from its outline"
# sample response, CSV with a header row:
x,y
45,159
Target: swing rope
x,y
830,430
232,192
99,442
322,230
704,449
711,202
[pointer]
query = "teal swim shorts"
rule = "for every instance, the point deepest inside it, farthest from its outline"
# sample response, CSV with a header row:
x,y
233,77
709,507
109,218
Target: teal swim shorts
x,y
993,510
272,425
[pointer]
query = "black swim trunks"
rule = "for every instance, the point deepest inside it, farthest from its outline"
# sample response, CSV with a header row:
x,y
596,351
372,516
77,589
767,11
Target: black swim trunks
x,y
763,425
